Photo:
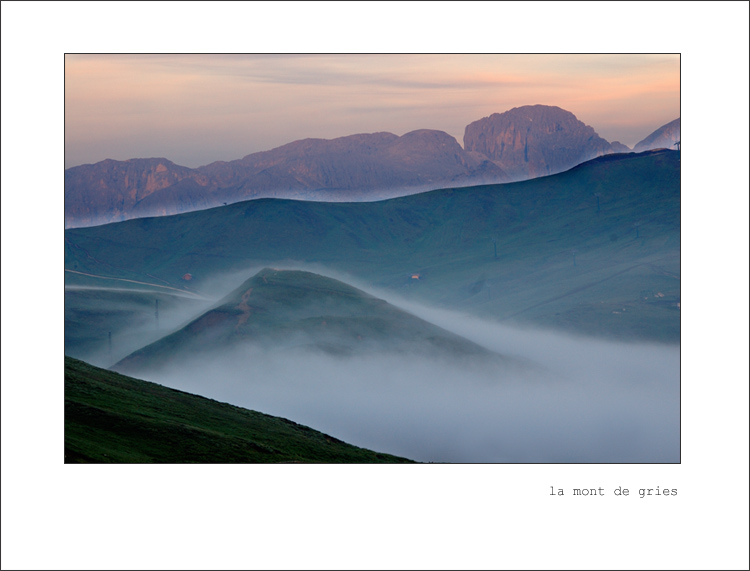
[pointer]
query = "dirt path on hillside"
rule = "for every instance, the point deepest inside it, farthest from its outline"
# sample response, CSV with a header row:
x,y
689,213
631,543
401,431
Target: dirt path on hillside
x,y
244,308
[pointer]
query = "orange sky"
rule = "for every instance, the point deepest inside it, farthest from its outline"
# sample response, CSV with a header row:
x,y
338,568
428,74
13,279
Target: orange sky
x,y
195,109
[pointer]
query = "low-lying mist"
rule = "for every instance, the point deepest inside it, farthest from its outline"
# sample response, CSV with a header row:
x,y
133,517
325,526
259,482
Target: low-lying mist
x,y
127,318
587,401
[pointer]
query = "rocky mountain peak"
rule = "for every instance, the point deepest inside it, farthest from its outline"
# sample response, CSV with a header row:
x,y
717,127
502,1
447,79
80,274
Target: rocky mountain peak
x,y
534,140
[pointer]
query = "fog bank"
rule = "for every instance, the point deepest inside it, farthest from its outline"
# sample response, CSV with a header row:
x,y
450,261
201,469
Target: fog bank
x,y
594,401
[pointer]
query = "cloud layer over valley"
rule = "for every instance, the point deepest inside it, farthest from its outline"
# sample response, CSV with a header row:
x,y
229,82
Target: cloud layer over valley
x,y
583,400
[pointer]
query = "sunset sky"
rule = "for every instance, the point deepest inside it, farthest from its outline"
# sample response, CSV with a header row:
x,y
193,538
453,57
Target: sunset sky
x,y
195,109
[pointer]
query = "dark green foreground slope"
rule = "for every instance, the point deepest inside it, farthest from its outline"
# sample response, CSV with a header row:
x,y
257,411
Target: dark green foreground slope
x,y
113,418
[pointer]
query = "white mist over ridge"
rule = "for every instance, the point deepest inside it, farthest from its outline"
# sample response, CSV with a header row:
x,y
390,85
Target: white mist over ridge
x,y
592,401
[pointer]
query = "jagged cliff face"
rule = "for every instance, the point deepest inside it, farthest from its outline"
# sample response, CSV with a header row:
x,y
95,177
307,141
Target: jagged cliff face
x,y
357,167
534,140
664,137
112,190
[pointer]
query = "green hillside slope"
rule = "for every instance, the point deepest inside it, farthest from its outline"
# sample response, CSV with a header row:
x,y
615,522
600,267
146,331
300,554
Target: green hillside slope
x,y
113,418
284,310
595,249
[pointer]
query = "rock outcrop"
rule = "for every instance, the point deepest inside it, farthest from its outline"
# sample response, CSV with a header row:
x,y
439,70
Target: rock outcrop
x,y
535,140
110,191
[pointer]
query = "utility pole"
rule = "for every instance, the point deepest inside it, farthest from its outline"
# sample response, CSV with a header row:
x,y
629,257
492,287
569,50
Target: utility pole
x,y
677,144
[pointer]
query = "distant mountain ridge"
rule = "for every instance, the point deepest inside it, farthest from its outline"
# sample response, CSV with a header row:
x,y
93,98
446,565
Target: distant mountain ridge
x,y
664,137
524,142
354,168
357,166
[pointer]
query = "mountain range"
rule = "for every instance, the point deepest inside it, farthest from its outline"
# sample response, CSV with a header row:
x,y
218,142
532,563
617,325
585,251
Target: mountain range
x,y
358,167
522,143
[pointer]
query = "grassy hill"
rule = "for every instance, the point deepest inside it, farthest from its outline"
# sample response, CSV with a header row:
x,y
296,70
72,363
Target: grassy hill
x,y
285,310
113,418
595,249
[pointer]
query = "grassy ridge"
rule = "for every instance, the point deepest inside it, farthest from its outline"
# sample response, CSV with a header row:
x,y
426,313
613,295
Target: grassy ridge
x,y
573,249
113,418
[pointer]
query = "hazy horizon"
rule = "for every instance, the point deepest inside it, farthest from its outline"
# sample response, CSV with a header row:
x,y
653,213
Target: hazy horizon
x,y
197,109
